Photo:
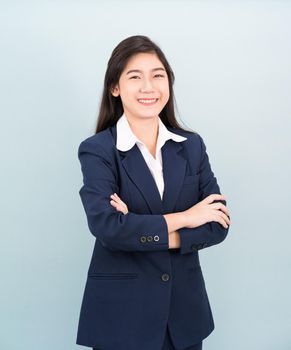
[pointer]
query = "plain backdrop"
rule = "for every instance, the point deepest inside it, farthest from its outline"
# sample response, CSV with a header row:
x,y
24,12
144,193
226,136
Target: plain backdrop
x,y
232,62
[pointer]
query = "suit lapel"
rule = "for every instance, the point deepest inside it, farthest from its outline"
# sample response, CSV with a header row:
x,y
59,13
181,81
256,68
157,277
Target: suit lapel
x,y
174,168
137,169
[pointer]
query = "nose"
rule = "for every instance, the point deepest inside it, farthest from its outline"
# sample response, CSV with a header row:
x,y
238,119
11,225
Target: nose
x,y
146,85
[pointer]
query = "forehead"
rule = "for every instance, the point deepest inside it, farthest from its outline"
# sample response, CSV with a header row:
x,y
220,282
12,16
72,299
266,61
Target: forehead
x,y
143,61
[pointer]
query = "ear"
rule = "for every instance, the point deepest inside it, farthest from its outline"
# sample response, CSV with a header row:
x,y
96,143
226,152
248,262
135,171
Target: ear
x,y
115,91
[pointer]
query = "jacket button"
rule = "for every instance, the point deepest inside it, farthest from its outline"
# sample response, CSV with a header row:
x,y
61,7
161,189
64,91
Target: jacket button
x,y
194,247
156,238
149,238
165,277
143,239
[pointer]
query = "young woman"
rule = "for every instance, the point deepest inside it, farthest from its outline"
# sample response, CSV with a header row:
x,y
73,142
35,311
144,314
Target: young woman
x,y
152,202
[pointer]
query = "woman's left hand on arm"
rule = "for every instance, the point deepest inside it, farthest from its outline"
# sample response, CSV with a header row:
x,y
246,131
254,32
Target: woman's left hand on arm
x,y
118,203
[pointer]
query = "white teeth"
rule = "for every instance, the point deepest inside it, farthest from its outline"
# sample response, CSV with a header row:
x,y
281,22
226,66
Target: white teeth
x,y
148,101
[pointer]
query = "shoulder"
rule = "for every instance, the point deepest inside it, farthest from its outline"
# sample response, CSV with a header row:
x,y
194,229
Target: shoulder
x,y
99,144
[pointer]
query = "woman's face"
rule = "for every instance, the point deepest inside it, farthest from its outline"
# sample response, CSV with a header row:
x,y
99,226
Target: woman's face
x,y
143,86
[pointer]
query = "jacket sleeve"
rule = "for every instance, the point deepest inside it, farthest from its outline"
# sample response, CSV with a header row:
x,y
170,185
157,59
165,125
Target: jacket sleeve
x,y
211,233
115,231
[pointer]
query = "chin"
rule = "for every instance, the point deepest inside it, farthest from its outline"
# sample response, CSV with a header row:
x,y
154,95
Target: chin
x,y
149,115
149,112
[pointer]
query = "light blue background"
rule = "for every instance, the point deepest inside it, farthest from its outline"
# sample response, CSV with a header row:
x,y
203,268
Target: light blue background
x,y
232,62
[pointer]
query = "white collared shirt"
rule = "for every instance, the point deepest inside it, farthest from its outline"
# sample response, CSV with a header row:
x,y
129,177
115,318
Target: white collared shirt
x,y
126,139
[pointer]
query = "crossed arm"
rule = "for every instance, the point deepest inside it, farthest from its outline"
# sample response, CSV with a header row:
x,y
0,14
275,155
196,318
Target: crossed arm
x,y
200,213
203,225
174,236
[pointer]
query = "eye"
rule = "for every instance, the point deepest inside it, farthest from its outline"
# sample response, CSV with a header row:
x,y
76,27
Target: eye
x,y
159,75
133,77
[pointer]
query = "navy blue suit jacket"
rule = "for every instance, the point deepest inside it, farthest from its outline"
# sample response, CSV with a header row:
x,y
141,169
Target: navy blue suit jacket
x,y
136,285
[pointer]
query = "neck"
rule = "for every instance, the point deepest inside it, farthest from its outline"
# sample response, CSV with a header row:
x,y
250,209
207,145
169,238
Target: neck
x,y
145,129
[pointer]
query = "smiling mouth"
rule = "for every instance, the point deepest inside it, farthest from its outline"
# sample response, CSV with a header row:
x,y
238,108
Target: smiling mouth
x,y
147,101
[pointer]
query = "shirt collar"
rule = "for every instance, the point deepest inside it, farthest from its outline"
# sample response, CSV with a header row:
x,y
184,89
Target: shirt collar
x,y
126,139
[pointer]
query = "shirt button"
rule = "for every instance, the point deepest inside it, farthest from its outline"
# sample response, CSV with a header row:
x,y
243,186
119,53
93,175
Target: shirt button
x,y
156,238
143,239
149,238
165,277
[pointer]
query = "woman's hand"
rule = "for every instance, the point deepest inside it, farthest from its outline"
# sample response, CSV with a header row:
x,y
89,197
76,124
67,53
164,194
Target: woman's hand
x,y
118,204
206,211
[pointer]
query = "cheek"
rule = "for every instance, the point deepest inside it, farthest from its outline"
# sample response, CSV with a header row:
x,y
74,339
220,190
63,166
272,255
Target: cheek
x,y
164,89
127,90
127,97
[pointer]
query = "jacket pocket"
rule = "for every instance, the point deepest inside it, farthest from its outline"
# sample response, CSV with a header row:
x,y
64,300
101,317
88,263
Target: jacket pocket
x,y
113,276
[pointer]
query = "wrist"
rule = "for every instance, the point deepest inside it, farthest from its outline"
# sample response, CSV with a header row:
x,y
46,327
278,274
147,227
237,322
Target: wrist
x,y
184,218
174,240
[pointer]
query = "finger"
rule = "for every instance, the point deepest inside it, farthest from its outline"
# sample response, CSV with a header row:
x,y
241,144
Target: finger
x,y
120,202
216,216
213,197
221,207
116,196
224,217
118,207
112,202
222,222
118,199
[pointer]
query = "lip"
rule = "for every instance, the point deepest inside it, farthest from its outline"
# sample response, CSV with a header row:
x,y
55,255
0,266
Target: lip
x,y
148,103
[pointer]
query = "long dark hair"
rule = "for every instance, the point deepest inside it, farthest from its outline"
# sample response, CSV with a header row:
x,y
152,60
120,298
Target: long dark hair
x,y
111,108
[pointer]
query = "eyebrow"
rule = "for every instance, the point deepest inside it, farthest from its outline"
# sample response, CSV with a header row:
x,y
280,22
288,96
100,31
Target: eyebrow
x,y
139,71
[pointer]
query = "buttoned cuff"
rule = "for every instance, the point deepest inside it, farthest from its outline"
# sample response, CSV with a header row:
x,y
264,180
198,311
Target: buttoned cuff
x,y
192,239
